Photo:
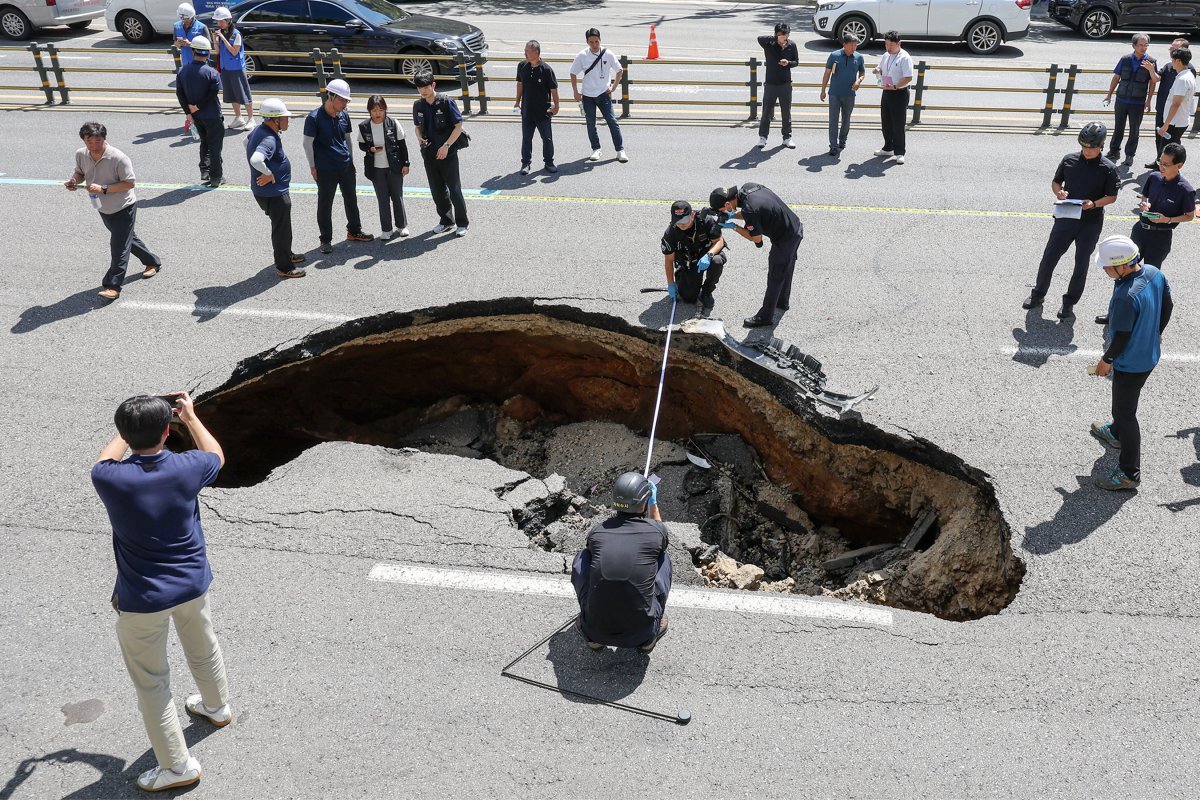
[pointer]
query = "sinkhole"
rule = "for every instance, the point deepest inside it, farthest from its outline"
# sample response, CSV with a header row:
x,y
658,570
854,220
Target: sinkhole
x,y
786,497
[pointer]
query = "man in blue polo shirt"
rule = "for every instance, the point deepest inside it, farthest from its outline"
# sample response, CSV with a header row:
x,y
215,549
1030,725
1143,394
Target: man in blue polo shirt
x,y
270,178
197,87
163,572
327,133
847,70
1133,80
1138,314
186,29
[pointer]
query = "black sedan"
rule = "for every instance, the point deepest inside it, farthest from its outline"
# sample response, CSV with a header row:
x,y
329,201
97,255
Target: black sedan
x,y
352,27
1095,19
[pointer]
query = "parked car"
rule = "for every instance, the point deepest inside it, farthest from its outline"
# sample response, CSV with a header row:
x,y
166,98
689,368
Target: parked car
x,y
983,24
20,18
1096,19
140,21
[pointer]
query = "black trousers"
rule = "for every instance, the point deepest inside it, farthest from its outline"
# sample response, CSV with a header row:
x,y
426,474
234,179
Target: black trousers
x,y
1174,134
121,241
446,186
1131,114
1154,244
389,193
691,282
328,184
781,263
542,126
1084,234
212,142
893,114
774,93
1126,392
279,211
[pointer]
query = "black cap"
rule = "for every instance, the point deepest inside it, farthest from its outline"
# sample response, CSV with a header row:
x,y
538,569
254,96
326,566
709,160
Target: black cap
x,y
720,197
680,210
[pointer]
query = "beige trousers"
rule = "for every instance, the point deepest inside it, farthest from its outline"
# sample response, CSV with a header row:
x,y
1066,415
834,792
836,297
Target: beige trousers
x,y
143,639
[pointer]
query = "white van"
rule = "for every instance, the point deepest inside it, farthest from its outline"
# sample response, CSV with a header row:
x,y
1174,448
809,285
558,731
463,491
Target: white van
x,y
19,18
983,24
140,21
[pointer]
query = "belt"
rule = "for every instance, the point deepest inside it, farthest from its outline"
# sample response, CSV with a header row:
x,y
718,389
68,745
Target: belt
x,y
1157,228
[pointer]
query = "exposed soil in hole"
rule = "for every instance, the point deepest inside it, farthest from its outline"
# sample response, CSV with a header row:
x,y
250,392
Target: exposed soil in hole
x,y
789,493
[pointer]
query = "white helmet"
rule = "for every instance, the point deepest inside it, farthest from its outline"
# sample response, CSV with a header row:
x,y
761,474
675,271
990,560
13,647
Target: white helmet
x,y
339,87
185,11
221,13
272,108
1117,251
200,44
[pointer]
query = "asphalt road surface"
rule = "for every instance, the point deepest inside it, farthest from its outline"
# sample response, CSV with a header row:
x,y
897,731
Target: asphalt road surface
x,y
911,277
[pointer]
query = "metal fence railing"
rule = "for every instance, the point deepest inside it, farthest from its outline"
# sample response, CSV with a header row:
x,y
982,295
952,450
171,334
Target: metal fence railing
x,y
1053,92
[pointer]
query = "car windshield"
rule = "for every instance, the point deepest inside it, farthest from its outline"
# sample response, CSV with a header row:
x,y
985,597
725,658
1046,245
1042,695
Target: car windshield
x,y
375,12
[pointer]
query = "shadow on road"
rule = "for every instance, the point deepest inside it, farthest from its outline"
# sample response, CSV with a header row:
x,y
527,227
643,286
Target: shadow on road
x,y
76,305
876,167
607,674
1082,513
1040,336
752,157
174,197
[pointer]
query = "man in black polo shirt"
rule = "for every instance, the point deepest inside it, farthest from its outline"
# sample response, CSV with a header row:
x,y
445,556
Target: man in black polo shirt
x,y
439,125
693,254
779,56
537,99
1089,177
623,576
764,214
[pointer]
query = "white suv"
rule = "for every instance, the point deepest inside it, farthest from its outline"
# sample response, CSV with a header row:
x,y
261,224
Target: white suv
x,y
983,24
140,21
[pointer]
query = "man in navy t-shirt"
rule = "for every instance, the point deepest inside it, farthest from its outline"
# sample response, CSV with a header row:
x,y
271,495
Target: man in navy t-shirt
x,y
163,572
327,147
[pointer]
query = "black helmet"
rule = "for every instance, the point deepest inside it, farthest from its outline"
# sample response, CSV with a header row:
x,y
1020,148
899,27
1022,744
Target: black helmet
x,y
630,492
1093,134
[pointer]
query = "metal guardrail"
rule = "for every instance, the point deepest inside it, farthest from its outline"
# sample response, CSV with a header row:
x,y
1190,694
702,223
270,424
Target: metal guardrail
x,y
1058,94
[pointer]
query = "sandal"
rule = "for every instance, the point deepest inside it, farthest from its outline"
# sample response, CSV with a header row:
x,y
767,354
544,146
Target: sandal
x,y
150,272
110,294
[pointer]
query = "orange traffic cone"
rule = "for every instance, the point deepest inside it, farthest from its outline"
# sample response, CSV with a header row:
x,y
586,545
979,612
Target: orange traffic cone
x,y
653,52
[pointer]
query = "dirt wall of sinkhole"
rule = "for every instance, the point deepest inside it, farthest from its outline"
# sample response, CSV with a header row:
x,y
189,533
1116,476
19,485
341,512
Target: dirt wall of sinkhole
x,y
357,382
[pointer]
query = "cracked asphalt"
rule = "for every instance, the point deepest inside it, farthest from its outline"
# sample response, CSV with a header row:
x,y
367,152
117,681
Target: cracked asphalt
x,y
1084,687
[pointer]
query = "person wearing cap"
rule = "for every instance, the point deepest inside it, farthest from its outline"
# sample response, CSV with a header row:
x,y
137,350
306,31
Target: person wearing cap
x,y
780,56
764,214
1089,177
622,577
327,135
693,254
186,28
198,86
599,71
234,84
847,69
271,176
1138,313
1167,201
439,127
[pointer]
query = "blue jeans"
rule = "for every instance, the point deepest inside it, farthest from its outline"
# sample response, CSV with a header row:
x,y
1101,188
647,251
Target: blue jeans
x,y
604,103
840,105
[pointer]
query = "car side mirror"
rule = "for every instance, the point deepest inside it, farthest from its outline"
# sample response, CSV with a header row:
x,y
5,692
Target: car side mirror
x,y
355,25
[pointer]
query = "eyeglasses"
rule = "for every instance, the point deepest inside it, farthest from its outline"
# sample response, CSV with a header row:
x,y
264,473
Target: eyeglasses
x,y
1162,163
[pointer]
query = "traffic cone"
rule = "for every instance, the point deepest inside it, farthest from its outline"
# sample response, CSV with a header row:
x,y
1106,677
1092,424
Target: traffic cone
x,y
652,53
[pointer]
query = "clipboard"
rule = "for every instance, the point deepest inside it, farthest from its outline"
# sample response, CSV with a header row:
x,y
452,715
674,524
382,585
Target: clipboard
x,y
1068,209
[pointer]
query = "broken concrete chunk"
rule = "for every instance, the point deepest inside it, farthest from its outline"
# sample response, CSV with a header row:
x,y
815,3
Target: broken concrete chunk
x,y
853,557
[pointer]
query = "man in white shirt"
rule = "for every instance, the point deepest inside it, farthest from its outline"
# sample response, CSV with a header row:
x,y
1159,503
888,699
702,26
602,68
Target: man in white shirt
x,y
895,73
600,72
1181,102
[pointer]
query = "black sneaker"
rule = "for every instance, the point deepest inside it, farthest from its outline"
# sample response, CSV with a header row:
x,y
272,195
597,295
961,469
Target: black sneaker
x,y
524,169
756,322
1152,165
326,248
1032,302
1066,312
550,167
296,258
833,151
1113,156
706,300
1102,319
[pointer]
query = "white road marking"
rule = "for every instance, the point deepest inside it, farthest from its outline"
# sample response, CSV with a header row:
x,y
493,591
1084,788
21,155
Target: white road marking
x,y
138,305
1091,355
707,599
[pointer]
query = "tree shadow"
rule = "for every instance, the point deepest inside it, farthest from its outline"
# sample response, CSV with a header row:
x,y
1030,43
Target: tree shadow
x,y
752,157
1083,511
609,674
1040,336
76,305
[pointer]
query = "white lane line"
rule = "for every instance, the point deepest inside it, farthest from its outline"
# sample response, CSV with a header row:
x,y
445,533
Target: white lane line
x,y
707,599
139,305
712,71
1091,355
143,58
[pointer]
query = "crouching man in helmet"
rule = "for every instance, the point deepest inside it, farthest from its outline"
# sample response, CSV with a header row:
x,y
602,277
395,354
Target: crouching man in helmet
x,y
623,576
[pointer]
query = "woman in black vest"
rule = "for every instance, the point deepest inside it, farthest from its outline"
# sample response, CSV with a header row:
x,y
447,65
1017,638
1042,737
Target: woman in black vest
x,y
385,164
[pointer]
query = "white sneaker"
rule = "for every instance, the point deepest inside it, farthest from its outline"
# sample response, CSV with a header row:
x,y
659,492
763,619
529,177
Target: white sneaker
x,y
789,144
248,123
237,123
440,228
898,159
762,142
219,717
389,234
403,232
595,156
159,779
622,157
883,152
524,169
462,231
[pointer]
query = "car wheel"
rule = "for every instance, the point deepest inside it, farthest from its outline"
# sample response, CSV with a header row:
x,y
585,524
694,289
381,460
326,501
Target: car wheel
x,y
253,65
83,24
411,67
15,25
134,27
984,37
1096,23
858,27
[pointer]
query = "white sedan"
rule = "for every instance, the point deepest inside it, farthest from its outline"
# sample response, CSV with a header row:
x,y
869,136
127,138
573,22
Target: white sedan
x,y
983,24
20,18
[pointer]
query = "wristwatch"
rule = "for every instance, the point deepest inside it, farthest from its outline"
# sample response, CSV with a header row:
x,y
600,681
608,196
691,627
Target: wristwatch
x,y
104,189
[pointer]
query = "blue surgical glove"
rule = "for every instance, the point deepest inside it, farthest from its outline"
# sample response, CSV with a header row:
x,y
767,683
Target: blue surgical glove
x,y
729,214
672,292
703,263
729,224
653,501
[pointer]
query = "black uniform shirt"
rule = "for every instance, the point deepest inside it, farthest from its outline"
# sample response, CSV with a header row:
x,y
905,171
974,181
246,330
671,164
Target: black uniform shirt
x,y
536,83
1087,179
766,215
624,550
690,245
772,54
